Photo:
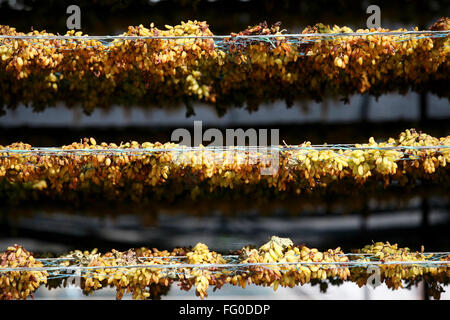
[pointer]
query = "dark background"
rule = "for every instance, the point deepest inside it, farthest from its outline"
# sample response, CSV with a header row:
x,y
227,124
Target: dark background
x,y
224,16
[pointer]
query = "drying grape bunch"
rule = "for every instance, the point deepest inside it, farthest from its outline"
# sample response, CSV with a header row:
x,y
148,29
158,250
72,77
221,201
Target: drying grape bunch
x,y
19,284
147,273
233,71
134,171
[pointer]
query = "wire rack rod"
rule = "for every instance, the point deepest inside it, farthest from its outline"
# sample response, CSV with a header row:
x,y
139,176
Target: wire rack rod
x,y
432,263
56,151
269,36
233,256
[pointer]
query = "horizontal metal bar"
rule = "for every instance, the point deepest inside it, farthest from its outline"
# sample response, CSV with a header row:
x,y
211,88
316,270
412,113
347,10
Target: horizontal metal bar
x,y
229,265
301,35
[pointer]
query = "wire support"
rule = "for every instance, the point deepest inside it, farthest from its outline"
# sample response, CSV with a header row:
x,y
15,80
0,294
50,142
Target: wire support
x,y
323,264
429,33
48,151
220,41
